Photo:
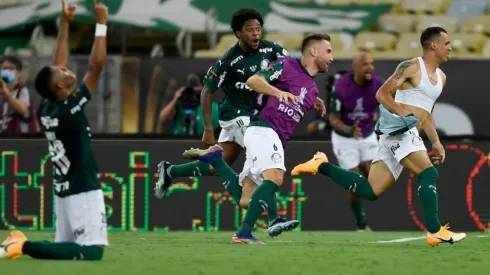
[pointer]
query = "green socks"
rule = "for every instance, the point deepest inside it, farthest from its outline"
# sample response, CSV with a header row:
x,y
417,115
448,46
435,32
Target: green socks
x,y
230,181
197,169
428,198
258,204
356,183
349,180
358,211
191,169
228,177
272,208
62,251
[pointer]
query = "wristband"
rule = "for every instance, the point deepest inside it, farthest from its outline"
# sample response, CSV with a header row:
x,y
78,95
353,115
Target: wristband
x,y
100,29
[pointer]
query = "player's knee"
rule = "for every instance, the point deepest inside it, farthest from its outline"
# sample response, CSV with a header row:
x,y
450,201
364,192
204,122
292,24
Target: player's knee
x,y
277,180
372,196
244,202
430,173
274,175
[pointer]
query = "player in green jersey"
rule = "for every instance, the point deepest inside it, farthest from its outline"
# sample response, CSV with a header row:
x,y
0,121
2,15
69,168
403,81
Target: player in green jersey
x,y
81,227
248,56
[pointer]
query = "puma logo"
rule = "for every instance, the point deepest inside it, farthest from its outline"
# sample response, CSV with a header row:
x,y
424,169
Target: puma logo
x,y
353,188
241,71
197,172
263,204
226,183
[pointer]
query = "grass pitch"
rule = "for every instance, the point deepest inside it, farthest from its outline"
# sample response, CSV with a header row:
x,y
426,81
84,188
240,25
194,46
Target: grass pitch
x,y
308,253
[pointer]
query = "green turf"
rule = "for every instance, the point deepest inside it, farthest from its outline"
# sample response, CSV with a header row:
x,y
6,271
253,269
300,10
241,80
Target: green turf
x,y
291,253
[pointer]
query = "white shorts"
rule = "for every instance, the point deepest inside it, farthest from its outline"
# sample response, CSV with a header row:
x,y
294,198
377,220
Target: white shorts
x,y
233,130
395,148
81,218
263,152
351,152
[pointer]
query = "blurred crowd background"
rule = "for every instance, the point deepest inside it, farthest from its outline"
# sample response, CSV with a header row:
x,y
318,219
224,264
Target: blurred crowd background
x,y
159,52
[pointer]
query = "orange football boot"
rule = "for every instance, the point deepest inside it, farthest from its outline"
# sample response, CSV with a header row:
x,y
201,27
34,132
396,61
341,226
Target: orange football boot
x,y
311,166
11,248
444,236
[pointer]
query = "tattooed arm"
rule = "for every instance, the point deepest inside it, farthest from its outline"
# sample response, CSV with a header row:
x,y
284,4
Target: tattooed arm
x,y
404,72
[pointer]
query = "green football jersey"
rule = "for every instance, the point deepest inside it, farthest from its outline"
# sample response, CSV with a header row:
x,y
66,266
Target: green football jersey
x,y
67,130
231,73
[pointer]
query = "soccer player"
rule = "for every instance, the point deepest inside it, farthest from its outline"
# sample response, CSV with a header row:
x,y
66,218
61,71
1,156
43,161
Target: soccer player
x,y
289,91
250,55
416,83
353,111
81,228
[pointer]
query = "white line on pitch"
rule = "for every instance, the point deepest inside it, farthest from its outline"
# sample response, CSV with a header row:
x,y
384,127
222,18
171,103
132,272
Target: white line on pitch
x,y
402,240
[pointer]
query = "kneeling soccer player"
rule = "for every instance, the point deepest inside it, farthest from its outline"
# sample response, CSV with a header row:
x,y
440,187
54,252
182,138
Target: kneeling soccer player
x,y
81,227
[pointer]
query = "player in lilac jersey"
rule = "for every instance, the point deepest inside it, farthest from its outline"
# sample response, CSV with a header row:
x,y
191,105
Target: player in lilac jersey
x,y
289,90
353,112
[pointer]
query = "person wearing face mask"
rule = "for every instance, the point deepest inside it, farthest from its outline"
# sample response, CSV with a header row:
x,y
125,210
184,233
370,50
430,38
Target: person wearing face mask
x,y
16,112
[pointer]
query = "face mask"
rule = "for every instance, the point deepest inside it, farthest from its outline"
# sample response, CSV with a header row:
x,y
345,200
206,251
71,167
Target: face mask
x,y
8,76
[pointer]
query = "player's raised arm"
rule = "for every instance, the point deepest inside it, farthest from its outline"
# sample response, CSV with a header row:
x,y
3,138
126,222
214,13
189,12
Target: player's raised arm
x,y
61,53
99,49
403,73
261,83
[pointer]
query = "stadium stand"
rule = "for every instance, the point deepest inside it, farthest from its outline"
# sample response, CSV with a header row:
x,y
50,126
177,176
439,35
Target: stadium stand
x,y
397,23
342,41
450,23
408,45
375,2
290,41
9,2
395,34
464,9
422,6
477,24
467,42
339,2
375,41
486,49
226,41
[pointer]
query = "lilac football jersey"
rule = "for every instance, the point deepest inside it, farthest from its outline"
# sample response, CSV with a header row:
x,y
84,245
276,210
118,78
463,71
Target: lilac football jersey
x,y
355,102
288,75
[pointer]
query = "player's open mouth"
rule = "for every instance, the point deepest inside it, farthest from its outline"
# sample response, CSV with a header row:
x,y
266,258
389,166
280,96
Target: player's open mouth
x,y
255,42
